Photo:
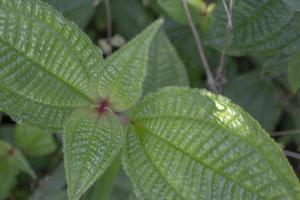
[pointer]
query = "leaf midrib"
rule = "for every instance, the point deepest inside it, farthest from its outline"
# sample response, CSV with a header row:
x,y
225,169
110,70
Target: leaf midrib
x,y
201,162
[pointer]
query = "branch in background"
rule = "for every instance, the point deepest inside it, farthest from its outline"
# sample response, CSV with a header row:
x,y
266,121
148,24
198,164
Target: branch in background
x,y
292,154
220,78
109,20
210,79
285,133
146,2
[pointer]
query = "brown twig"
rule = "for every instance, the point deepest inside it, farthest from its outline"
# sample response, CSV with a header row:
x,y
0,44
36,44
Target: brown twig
x,y
220,78
109,20
210,79
292,154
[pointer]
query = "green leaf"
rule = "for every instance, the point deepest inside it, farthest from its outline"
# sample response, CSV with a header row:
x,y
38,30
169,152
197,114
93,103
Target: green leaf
x,y
14,160
91,143
257,96
294,4
48,67
34,141
165,67
78,11
191,144
7,182
129,13
124,73
174,9
294,72
258,27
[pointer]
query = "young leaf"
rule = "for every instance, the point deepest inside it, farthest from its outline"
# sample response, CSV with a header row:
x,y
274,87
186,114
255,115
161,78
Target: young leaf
x,y
191,144
48,67
258,27
34,141
14,160
257,96
79,11
165,67
294,72
91,143
124,73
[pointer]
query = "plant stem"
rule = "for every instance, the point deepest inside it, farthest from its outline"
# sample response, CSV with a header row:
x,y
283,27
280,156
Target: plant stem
x,y
220,78
292,154
109,20
210,79
285,133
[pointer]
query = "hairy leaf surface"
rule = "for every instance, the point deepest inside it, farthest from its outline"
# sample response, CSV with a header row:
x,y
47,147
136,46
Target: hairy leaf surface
x,y
91,143
125,70
258,27
34,141
295,4
48,67
79,11
165,67
191,144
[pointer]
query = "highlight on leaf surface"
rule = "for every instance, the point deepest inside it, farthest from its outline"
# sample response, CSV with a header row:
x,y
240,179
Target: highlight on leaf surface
x,y
164,70
48,66
121,80
91,142
191,144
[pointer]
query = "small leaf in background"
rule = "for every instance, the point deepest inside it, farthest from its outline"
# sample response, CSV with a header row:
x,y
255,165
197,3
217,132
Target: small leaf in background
x,y
121,80
294,4
191,144
198,8
259,27
52,187
129,17
12,162
78,11
294,72
164,70
257,96
91,143
34,141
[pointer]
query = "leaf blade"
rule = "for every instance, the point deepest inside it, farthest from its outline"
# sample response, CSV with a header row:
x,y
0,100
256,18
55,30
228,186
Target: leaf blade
x,y
125,70
40,48
187,145
91,143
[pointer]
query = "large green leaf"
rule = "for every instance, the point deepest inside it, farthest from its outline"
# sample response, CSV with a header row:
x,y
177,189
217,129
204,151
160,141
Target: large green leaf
x,y
91,142
125,70
79,11
191,144
257,96
48,67
258,27
34,141
165,67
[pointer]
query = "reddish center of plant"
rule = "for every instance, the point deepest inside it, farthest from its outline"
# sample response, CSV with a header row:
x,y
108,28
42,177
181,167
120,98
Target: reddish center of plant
x,y
103,106
10,152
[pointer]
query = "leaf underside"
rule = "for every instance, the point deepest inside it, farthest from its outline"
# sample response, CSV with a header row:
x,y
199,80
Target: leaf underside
x,y
258,27
91,143
191,144
48,67
125,70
